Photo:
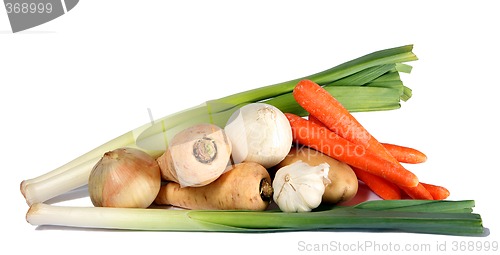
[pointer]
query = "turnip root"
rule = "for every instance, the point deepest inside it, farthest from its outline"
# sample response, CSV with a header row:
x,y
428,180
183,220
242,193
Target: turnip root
x,y
261,133
246,186
196,156
344,183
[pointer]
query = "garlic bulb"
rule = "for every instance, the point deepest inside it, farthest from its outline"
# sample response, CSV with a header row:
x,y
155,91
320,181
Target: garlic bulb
x,y
124,177
299,187
259,133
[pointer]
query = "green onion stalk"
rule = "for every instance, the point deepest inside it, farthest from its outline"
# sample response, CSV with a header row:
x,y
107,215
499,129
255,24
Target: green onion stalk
x,y
368,83
411,216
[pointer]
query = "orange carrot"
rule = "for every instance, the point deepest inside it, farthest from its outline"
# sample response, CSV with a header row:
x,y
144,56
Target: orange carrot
x,y
329,111
437,192
401,153
405,154
321,139
315,120
418,192
325,109
380,186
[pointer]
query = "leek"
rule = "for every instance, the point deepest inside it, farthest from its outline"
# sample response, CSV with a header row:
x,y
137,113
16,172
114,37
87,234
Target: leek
x,y
412,216
367,83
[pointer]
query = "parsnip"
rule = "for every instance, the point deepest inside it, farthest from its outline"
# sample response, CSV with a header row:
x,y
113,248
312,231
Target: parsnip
x,y
247,186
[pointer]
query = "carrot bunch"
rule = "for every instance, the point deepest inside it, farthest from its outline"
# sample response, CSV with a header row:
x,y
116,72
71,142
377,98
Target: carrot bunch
x,y
332,130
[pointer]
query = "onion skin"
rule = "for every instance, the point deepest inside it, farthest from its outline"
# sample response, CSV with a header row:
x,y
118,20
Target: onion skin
x,y
125,177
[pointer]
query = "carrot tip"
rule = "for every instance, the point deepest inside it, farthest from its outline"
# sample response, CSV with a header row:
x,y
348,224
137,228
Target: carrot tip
x,y
437,192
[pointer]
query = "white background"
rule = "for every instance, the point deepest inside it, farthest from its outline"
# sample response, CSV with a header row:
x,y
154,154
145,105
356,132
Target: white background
x,y
80,80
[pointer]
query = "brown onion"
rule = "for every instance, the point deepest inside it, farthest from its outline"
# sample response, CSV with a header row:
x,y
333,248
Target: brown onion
x,y
124,177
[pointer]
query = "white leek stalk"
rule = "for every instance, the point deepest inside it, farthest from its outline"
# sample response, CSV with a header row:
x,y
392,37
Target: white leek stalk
x,y
413,216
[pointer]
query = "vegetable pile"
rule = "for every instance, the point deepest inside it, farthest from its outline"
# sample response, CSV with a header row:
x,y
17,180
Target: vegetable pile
x,y
295,144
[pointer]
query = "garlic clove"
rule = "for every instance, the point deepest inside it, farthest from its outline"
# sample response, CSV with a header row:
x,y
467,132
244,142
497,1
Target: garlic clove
x,y
299,187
